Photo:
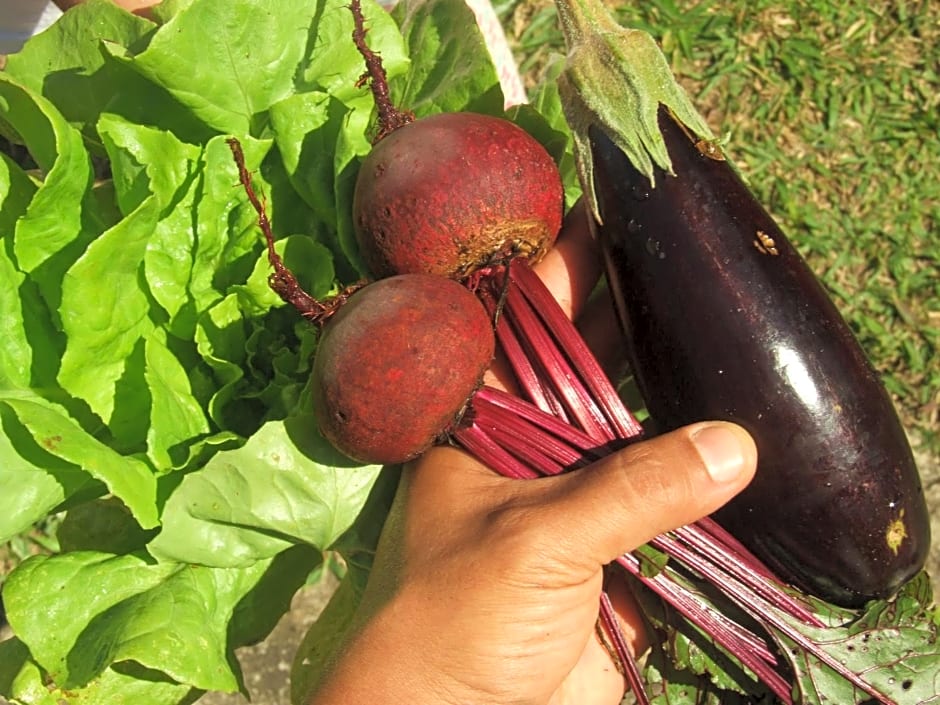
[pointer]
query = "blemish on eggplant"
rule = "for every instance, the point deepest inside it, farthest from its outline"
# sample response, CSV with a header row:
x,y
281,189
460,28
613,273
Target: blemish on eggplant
x,y
765,244
640,193
633,226
654,247
710,149
896,533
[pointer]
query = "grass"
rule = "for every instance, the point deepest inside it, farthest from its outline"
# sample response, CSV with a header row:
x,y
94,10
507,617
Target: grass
x,y
832,113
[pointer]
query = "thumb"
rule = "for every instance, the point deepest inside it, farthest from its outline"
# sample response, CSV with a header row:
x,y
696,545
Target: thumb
x,y
622,501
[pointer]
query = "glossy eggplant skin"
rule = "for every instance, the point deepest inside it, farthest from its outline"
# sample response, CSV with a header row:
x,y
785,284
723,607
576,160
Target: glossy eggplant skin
x,y
725,320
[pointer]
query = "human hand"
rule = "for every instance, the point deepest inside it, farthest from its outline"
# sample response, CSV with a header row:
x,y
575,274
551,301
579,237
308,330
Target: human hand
x,y
485,590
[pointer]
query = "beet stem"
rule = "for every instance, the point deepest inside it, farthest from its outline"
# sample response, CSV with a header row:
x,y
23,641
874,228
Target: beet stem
x,y
573,345
624,655
497,424
478,442
540,347
750,649
705,549
572,435
730,544
766,614
282,281
526,376
390,117
704,544
507,428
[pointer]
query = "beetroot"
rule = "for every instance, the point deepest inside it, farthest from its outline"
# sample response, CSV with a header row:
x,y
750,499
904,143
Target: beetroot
x,y
449,193
398,359
396,365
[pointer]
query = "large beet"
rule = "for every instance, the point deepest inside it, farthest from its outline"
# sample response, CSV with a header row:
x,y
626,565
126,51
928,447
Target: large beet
x,y
397,364
450,192
726,321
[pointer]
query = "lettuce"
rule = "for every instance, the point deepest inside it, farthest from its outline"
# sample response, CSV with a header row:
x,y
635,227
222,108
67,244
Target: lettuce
x,y
152,387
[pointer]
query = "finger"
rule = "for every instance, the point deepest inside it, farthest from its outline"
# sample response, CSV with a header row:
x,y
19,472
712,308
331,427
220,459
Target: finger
x,y
572,267
622,501
601,332
451,480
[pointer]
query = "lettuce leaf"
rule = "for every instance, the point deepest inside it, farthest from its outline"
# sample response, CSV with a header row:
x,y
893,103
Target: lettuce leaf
x,y
152,387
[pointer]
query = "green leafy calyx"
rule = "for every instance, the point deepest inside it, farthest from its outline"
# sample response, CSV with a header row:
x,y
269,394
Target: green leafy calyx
x,y
615,80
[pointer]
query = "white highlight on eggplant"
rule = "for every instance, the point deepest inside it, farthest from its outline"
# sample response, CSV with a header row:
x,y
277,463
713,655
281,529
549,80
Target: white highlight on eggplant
x,y
791,365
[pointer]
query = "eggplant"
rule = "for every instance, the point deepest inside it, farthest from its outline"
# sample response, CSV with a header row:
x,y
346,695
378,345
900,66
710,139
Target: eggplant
x,y
723,319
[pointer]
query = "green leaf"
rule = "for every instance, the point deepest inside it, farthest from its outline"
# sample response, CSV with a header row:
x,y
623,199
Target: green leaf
x,y
893,644
286,485
334,65
891,647
357,548
20,678
350,147
311,262
544,118
167,617
16,355
221,335
32,481
176,417
104,525
259,611
242,55
226,236
58,435
686,663
51,233
156,625
80,63
24,682
306,127
66,65
105,307
451,69
16,191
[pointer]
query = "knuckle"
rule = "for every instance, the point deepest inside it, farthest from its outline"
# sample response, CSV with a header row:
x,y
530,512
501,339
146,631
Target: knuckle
x,y
654,484
521,540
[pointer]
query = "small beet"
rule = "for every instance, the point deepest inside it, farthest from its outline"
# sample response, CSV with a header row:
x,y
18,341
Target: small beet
x,y
396,365
451,192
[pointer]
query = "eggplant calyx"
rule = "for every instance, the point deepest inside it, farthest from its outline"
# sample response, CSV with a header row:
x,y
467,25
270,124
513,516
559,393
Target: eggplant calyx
x,y
615,79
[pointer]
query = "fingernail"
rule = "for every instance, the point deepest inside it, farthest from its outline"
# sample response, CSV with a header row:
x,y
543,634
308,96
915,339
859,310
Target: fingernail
x,y
721,450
